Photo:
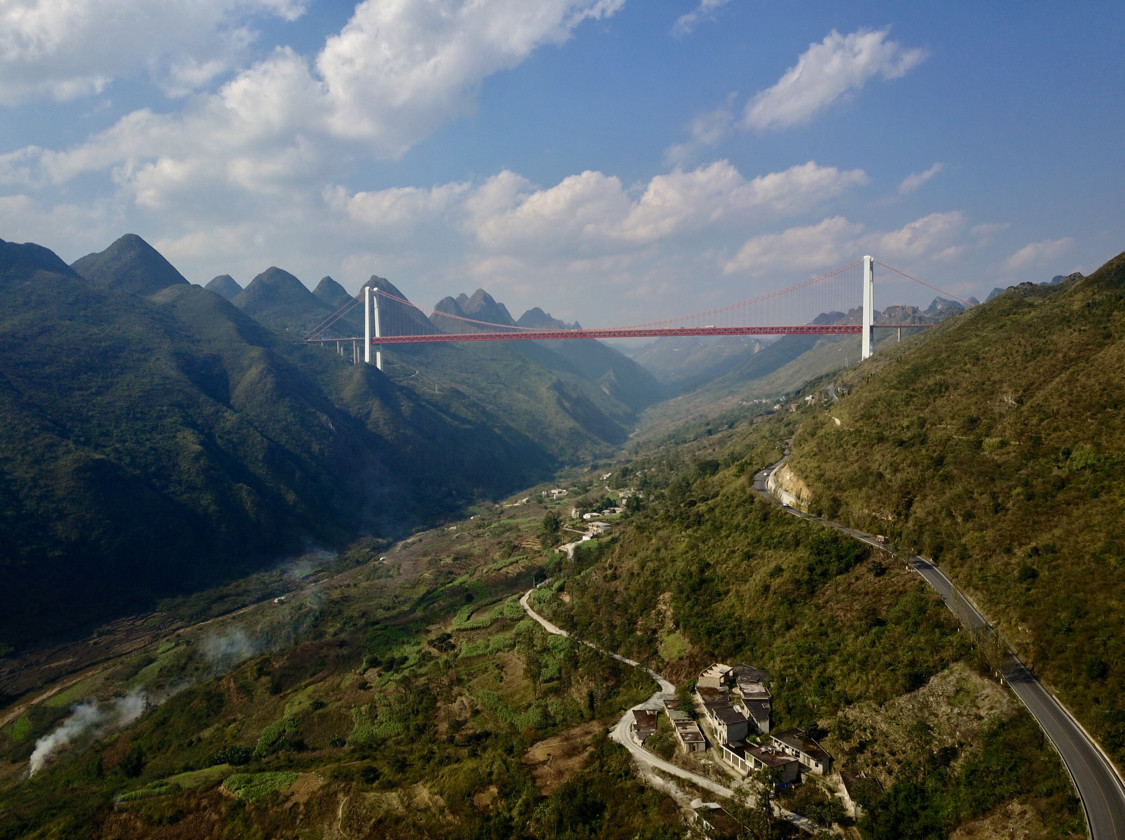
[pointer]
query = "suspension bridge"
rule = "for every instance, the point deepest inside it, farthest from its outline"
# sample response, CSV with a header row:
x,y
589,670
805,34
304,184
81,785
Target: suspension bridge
x,y
390,319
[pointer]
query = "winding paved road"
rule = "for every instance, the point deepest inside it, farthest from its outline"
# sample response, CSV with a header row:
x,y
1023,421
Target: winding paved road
x,y
1097,782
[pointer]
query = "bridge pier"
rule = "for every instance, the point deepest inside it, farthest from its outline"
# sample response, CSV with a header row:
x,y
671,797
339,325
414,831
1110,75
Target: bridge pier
x,y
868,305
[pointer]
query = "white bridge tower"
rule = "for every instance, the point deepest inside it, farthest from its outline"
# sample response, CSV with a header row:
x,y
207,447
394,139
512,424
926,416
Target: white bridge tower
x,y
868,305
371,315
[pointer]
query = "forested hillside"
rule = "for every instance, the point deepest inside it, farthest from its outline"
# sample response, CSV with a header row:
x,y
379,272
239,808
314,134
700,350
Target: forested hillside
x,y
996,446
158,440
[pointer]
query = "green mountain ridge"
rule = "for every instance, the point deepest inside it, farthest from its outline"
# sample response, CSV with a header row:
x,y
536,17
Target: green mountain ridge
x,y
224,285
163,439
131,265
995,444
22,264
157,445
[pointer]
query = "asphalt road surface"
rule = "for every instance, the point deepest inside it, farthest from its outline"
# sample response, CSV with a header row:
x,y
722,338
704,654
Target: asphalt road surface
x,y
1098,784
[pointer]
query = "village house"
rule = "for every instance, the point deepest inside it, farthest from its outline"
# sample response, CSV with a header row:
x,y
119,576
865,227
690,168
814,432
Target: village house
x,y
729,723
714,677
687,730
690,736
644,724
746,758
742,687
613,511
756,699
806,750
715,822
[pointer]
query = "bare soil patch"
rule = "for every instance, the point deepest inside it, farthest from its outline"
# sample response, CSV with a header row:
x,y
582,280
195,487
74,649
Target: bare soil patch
x,y
554,760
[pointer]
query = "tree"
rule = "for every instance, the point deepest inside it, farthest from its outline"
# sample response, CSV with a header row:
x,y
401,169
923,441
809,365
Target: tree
x,y
753,806
551,527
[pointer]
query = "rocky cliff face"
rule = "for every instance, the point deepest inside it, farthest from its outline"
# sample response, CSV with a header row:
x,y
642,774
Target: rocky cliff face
x,y
788,486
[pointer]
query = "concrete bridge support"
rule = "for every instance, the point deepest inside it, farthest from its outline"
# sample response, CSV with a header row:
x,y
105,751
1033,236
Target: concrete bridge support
x,y
868,305
371,316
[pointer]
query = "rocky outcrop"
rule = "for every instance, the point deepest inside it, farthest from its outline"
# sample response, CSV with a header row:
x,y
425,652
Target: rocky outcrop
x,y
787,486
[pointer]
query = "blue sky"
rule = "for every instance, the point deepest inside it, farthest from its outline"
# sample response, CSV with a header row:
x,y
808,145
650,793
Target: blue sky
x,y
611,161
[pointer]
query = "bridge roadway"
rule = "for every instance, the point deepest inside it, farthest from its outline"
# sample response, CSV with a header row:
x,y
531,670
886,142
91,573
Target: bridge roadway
x,y
621,332
1098,785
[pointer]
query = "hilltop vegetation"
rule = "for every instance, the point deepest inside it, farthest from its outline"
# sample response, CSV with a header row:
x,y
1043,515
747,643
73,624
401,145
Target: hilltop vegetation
x,y
996,447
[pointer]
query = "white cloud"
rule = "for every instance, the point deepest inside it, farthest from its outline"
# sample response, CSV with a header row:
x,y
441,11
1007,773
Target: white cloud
x,y
936,237
400,68
985,231
710,195
65,50
395,72
1038,252
810,247
82,227
593,213
921,238
911,183
579,214
826,73
705,130
705,11
404,219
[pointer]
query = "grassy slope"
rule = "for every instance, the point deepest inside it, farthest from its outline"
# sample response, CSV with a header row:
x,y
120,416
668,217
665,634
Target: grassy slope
x,y
997,448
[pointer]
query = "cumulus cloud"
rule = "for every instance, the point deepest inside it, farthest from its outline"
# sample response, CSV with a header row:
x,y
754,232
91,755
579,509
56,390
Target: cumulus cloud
x,y
911,183
393,74
705,11
67,50
924,237
593,213
985,231
1038,252
578,214
84,227
398,69
399,210
937,237
827,73
808,247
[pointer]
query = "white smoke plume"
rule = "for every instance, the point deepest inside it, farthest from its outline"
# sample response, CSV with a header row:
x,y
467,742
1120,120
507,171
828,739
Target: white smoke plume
x,y
89,721
227,649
